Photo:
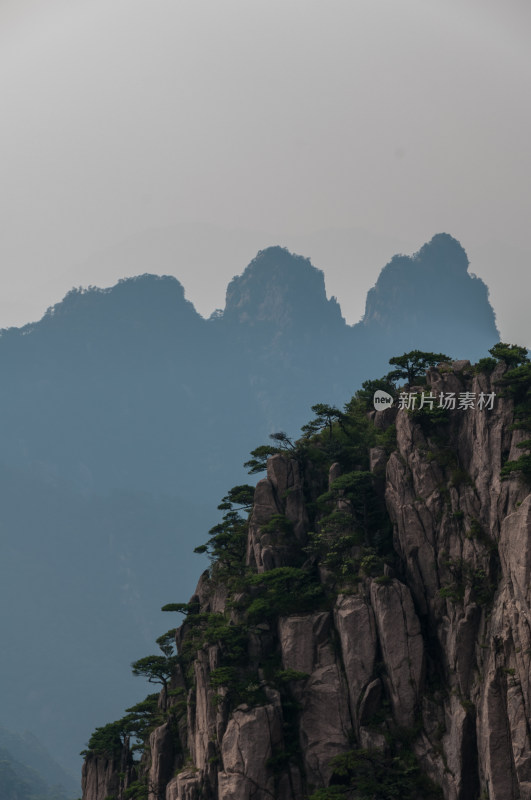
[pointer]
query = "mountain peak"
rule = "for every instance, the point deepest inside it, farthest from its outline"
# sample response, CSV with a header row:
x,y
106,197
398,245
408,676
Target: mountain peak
x,y
282,288
443,251
432,298
136,292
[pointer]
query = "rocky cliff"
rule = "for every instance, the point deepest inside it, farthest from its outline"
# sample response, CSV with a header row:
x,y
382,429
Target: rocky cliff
x,y
366,631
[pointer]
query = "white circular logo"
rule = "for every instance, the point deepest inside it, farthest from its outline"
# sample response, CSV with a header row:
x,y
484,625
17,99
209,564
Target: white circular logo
x,y
381,400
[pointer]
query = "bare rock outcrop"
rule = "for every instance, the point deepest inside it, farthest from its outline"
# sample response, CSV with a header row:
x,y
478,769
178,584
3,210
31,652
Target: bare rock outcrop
x,y
464,536
356,627
278,495
103,776
252,738
402,647
324,721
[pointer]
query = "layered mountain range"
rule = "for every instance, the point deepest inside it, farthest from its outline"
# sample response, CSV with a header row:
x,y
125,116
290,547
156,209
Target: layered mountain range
x,y
125,416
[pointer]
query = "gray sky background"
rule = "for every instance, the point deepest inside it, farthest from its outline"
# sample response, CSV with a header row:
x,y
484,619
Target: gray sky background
x,y
181,136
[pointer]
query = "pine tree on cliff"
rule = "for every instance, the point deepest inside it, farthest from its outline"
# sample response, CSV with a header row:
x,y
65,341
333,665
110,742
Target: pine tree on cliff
x,y
413,365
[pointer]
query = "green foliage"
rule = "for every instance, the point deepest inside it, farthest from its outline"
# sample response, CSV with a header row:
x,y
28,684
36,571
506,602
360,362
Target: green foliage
x,y
325,416
232,638
232,672
181,608
138,790
360,520
517,384
157,669
522,467
485,365
512,354
430,419
383,580
482,586
368,388
137,724
332,435
241,496
412,366
387,438
228,539
476,531
368,515
283,591
206,629
166,642
376,774
466,575
371,564
336,522
258,462
443,453
335,550
107,740
352,438
141,719
241,685
283,439
278,524
353,484
289,675
291,715
453,592
146,708
460,477
223,676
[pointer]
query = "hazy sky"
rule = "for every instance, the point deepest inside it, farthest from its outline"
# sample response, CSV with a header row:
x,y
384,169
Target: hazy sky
x,y
181,136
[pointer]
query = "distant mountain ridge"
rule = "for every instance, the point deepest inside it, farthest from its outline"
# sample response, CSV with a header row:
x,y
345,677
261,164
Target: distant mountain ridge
x,y
29,753
125,415
27,772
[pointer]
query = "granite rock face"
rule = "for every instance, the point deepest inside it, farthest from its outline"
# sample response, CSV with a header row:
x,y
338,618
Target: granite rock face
x,y
439,645
465,548
104,776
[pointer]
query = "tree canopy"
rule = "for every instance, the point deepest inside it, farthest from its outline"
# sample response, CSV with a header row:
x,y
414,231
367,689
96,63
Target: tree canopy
x,y
512,354
157,669
413,365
